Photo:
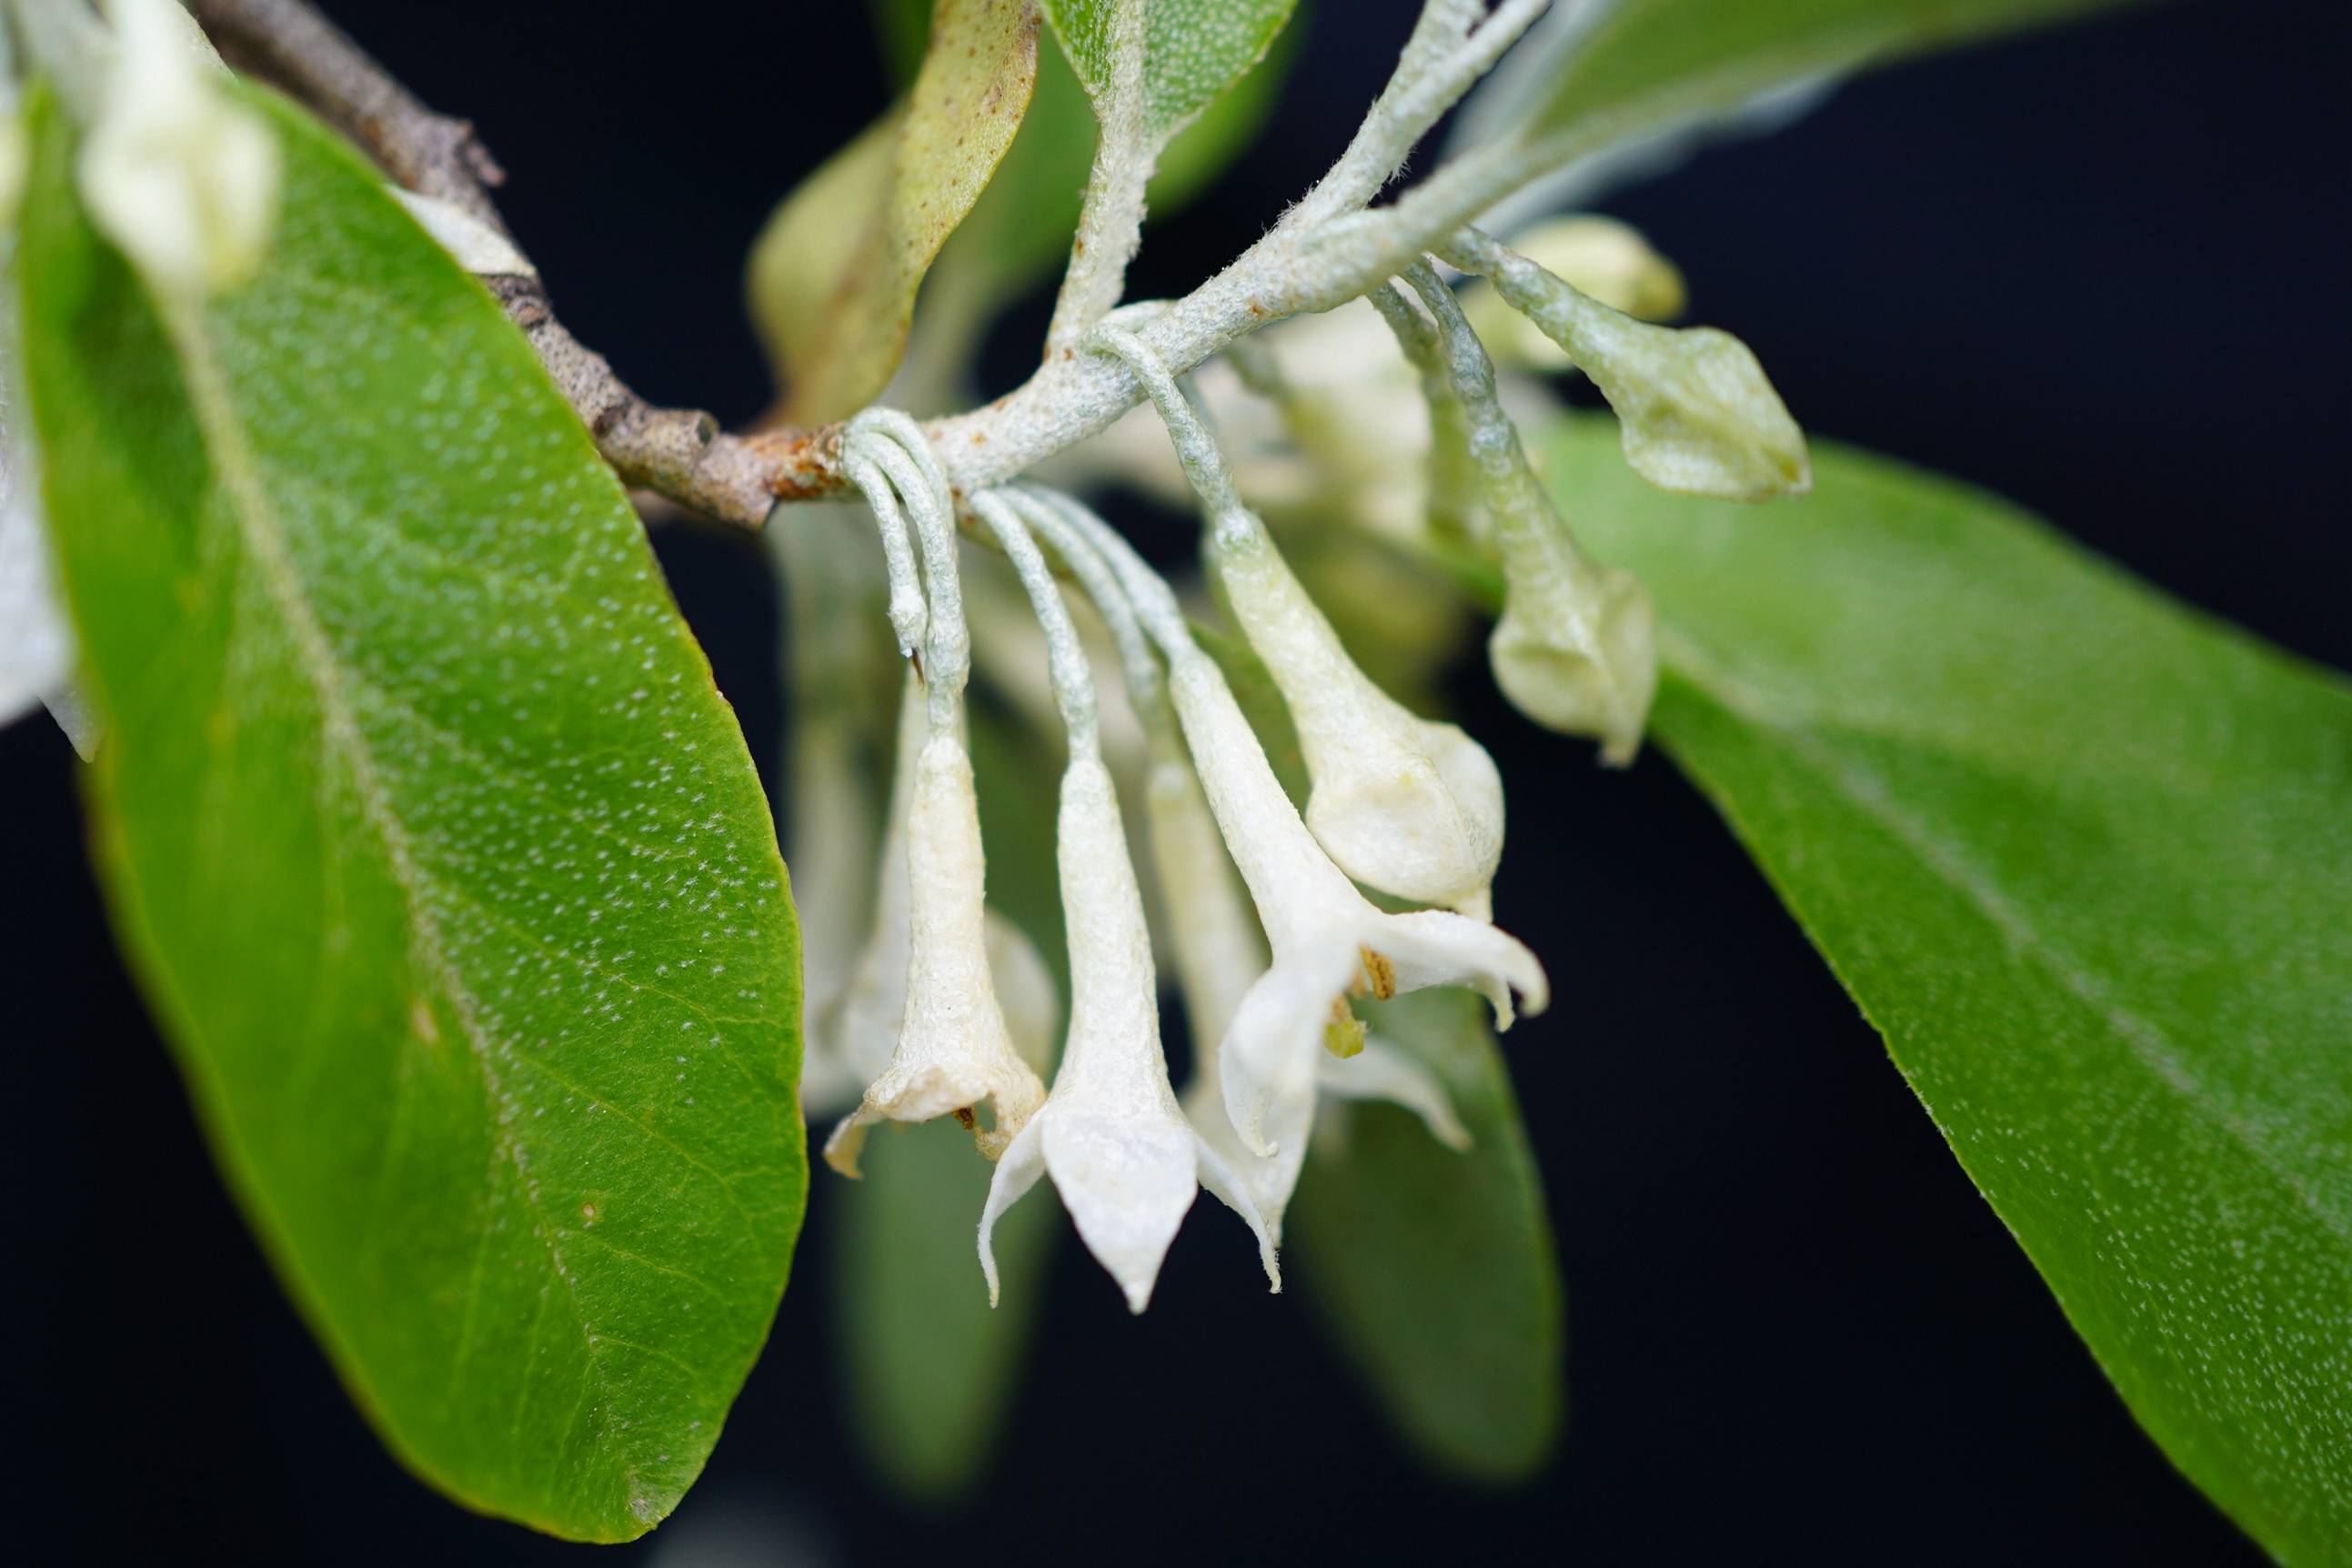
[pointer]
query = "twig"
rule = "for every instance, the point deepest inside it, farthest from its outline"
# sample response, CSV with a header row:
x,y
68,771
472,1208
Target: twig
x,y
1330,251
680,453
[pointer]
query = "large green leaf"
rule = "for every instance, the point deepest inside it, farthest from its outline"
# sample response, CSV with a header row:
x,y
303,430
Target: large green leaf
x,y
2086,859
833,276
1434,1268
1651,69
440,858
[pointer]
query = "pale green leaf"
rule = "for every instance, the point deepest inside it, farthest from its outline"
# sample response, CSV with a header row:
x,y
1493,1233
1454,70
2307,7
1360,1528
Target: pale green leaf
x,y
1623,78
833,276
2086,859
441,859
1435,1267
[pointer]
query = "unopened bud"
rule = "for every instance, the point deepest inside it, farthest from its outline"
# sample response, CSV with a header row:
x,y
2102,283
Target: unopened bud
x,y
1700,415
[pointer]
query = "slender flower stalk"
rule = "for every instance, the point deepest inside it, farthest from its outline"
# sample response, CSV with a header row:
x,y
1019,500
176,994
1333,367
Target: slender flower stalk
x,y
1575,647
1111,1135
1409,806
1327,940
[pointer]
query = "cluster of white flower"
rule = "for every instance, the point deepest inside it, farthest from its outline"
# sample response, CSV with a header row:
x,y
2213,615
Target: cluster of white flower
x,y
1271,933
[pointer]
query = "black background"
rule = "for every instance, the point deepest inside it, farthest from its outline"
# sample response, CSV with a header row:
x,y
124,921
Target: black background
x,y
2098,270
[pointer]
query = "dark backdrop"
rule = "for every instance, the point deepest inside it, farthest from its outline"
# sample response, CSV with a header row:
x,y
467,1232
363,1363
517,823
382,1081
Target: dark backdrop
x,y
2097,270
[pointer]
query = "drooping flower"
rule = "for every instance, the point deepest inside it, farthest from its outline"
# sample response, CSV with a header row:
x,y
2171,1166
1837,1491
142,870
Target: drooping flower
x,y
1220,952
954,1049
177,173
1327,940
1409,806
1126,1163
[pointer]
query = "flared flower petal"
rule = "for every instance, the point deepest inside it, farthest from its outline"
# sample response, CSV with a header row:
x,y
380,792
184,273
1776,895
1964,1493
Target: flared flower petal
x,y
954,1050
1126,1163
1328,938
1385,1072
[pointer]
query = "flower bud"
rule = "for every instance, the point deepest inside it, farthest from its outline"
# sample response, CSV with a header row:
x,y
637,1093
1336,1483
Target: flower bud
x,y
1580,655
1697,413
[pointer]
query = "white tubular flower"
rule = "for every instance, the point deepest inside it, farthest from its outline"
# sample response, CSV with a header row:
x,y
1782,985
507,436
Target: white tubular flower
x,y
179,176
1576,648
854,1028
1328,938
1698,414
1219,952
1126,1163
1406,804
954,1049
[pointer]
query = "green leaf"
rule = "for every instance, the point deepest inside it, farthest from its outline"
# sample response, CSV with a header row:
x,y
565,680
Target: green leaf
x,y
1192,51
931,1371
2086,859
440,858
1022,223
1652,67
1435,1267
833,276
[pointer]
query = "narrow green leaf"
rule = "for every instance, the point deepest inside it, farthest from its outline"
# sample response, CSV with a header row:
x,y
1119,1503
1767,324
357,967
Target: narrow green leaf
x,y
1192,51
2086,859
932,1370
1434,1268
1648,69
440,858
833,277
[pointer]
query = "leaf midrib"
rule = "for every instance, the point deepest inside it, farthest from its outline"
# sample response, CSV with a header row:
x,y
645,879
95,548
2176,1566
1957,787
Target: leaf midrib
x,y
258,529
1867,794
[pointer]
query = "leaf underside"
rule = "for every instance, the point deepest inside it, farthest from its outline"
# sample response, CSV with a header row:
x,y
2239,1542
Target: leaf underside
x,y
1435,1267
2086,859
438,852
